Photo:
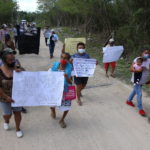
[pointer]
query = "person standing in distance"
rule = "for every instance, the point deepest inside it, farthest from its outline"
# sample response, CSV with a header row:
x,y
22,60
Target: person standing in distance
x,y
4,31
46,33
113,64
15,35
53,39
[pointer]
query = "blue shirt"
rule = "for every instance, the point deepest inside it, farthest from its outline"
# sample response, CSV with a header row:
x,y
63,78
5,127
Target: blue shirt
x,y
77,55
15,32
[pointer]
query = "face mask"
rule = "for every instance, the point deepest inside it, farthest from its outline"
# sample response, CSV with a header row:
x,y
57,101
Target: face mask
x,y
112,44
11,65
146,56
63,62
81,51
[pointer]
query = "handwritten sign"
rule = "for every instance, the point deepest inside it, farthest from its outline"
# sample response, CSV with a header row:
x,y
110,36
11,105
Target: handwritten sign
x,y
84,67
112,54
37,88
71,44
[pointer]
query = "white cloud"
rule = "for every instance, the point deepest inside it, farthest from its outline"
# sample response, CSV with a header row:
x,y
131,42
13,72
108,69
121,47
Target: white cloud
x,y
28,5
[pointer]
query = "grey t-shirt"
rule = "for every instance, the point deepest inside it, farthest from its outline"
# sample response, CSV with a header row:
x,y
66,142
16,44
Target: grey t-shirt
x,y
144,73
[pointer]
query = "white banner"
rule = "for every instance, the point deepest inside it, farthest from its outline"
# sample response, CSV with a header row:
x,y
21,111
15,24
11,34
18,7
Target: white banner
x,y
84,67
112,54
37,88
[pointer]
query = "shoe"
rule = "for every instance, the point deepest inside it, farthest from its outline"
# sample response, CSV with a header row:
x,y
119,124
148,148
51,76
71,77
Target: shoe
x,y
62,124
6,126
53,114
24,110
142,112
130,103
51,57
19,134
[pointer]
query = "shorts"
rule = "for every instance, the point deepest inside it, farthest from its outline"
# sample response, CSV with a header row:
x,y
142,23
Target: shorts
x,y
80,80
7,109
113,65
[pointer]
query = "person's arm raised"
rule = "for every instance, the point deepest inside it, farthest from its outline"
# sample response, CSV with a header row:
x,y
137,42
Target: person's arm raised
x,y
63,49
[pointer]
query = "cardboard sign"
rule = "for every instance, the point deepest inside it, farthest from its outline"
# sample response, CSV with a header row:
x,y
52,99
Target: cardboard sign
x,y
71,44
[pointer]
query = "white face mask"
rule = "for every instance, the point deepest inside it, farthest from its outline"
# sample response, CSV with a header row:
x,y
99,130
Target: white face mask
x,y
81,51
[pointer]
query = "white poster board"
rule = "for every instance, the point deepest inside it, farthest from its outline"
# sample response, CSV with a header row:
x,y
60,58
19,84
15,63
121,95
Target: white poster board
x,y
37,88
112,54
84,67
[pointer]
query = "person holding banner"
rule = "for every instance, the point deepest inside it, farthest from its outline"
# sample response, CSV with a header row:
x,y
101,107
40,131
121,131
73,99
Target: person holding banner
x,y
53,39
80,82
63,66
138,87
17,63
6,79
113,64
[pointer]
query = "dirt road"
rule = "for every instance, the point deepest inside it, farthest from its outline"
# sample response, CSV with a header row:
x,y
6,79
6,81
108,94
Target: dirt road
x,y
104,122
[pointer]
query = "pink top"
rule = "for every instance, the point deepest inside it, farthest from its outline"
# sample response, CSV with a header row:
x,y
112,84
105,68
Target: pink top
x,y
138,67
3,32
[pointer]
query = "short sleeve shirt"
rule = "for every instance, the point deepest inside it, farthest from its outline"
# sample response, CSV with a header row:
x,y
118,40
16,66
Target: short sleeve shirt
x,y
47,32
144,73
77,55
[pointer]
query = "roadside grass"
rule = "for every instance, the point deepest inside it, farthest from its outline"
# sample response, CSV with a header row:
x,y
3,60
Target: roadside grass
x,y
94,49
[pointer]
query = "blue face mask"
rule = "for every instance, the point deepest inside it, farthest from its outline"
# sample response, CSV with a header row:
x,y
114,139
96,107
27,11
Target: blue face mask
x,y
146,56
112,44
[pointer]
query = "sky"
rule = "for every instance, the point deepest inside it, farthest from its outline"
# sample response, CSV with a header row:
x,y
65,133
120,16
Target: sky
x,y
27,5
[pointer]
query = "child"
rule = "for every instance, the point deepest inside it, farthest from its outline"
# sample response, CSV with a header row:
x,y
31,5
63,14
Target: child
x,y
138,66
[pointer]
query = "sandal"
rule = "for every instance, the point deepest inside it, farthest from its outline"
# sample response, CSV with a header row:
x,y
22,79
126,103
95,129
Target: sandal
x,y
79,103
53,114
112,76
62,124
107,76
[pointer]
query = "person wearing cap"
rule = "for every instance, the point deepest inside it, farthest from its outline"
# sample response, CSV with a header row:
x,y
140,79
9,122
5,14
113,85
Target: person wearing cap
x,y
8,43
4,31
53,39
113,64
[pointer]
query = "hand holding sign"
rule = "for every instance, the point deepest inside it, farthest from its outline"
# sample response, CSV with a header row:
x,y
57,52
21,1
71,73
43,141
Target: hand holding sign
x,y
112,54
84,67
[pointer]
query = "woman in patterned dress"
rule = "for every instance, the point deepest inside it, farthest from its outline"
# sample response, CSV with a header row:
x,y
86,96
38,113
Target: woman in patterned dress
x,y
63,66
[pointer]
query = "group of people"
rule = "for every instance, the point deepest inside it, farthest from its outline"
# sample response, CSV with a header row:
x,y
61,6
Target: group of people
x,y
51,39
9,63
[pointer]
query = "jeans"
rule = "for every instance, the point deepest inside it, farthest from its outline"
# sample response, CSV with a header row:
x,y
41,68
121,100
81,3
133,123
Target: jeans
x,y
46,40
137,90
51,48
